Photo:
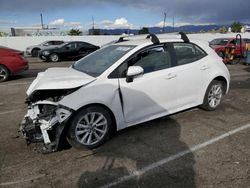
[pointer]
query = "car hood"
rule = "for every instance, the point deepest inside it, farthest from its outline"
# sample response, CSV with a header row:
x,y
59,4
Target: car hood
x,y
59,78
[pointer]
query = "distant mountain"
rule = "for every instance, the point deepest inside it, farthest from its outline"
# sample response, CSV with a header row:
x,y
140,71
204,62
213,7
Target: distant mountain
x,y
185,28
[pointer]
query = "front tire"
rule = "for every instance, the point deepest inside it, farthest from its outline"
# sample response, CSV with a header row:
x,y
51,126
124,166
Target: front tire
x,y
213,96
4,73
90,127
54,57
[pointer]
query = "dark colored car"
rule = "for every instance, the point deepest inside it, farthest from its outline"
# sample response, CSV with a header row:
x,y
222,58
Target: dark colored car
x,y
69,50
220,45
34,50
12,62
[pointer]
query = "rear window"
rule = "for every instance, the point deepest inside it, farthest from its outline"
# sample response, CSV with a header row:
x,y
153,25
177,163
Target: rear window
x,y
187,53
221,42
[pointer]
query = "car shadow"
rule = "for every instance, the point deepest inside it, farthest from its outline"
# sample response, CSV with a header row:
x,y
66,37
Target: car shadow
x,y
240,84
144,145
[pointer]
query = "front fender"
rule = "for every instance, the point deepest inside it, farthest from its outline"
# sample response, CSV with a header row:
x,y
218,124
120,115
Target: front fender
x,y
106,94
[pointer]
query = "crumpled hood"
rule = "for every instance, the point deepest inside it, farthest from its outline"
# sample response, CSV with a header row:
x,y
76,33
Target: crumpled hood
x,y
59,78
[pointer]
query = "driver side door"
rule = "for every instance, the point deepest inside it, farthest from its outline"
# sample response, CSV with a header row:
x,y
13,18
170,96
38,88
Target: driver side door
x,y
152,94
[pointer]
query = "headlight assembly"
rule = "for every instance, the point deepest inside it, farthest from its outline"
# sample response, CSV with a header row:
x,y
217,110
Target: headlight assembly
x,y
46,53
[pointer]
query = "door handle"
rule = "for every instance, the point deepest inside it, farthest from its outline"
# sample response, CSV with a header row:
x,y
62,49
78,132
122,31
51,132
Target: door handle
x,y
171,76
204,67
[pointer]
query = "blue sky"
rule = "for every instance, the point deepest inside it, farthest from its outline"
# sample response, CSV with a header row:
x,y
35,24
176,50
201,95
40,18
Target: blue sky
x,y
120,14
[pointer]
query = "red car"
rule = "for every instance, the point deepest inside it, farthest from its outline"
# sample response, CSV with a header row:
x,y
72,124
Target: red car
x,y
11,62
220,45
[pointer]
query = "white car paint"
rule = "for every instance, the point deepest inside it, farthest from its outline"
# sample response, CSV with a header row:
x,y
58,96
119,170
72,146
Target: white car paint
x,y
59,78
147,97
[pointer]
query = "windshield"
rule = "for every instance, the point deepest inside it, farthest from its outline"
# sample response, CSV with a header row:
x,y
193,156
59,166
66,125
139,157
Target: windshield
x,y
219,42
96,63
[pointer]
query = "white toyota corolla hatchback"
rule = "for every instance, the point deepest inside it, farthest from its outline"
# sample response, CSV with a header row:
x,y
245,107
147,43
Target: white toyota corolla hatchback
x,y
123,84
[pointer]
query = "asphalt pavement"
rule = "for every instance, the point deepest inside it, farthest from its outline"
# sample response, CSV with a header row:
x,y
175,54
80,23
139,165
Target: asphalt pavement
x,y
193,148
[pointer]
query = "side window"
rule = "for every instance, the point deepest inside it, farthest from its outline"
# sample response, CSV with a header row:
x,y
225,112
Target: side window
x,y
50,43
187,53
58,42
71,46
151,60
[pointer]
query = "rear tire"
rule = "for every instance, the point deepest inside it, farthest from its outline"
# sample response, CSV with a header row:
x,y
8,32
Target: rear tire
x,y
213,96
34,52
4,73
89,128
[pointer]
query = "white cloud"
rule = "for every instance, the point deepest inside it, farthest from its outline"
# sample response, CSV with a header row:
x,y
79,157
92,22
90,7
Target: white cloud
x,y
62,23
119,23
57,22
77,25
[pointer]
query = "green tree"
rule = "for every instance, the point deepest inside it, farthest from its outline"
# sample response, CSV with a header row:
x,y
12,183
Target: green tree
x,y
2,34
75,32
144,30
212,31
223,30
236,27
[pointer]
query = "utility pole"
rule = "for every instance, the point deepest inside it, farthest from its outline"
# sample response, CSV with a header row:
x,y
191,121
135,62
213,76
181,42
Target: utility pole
x,y
173,23
41,15
93,25
164,22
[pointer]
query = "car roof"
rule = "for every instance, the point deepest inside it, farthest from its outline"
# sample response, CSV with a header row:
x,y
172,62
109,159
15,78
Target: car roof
x,y
142,40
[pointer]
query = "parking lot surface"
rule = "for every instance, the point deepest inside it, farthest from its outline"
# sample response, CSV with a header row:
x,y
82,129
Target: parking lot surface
x,y
194,148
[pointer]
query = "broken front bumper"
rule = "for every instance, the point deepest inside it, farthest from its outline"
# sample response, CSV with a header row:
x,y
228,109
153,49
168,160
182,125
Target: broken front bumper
x,y
44,122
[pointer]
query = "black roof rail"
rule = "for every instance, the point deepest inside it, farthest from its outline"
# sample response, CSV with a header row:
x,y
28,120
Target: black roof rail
x,y
154,38
184,37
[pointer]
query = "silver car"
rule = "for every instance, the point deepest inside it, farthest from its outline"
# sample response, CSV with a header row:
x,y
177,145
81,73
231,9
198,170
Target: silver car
x,y
33,50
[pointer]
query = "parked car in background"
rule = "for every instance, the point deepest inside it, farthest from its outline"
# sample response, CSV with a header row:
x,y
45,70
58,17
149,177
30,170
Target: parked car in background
x,y
220,45
120,85
247,41
11,62
33,50
68,50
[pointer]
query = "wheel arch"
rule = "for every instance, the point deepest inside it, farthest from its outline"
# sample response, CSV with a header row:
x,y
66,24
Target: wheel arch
x,y
10,72
224,81
114,123
63,128
36,48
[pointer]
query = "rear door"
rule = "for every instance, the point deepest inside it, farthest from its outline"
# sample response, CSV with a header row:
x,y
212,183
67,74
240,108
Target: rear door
x,y
191,67
70,50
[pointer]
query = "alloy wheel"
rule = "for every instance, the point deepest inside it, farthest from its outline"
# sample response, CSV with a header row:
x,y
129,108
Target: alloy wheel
x,y
215,95
3,74
91,128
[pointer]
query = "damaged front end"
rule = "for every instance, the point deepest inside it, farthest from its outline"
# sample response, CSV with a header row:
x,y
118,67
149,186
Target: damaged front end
x,y
45,121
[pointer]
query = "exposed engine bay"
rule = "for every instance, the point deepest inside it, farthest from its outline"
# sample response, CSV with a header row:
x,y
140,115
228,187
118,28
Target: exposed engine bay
x,y
44,119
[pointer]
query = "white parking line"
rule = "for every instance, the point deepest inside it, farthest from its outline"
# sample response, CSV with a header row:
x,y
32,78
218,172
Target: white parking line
x,y
15,84
173,157
10,111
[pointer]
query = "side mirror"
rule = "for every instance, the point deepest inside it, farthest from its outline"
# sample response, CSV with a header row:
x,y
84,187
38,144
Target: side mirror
x,y
133,71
